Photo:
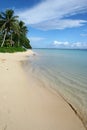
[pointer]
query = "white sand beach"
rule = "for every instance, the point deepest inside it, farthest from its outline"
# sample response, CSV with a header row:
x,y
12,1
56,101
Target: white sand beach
x,y
26,106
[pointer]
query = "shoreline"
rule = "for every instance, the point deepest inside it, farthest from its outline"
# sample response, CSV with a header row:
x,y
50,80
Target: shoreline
x,y
24,105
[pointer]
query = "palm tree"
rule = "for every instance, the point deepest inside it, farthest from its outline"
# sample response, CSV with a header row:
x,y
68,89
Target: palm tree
x,y
23,28
21,31
7,23
12,30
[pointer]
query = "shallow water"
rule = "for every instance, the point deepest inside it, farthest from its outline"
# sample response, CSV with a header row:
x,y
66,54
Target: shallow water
x,y
66,72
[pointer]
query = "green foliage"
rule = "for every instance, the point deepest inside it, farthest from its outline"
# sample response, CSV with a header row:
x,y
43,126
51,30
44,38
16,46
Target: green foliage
x,y
11,49
12,31
24,41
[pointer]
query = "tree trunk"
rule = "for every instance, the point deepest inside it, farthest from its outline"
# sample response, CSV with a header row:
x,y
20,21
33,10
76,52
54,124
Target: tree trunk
x,y
4,39
11,42
18,43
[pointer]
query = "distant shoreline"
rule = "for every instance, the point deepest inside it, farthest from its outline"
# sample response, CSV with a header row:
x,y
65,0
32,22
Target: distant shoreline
x,y
62,48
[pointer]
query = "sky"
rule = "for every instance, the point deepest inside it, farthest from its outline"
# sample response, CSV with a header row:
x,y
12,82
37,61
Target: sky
x,y
52,23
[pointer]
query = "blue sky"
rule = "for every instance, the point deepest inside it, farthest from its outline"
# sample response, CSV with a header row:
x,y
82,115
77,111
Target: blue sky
x,y
52,23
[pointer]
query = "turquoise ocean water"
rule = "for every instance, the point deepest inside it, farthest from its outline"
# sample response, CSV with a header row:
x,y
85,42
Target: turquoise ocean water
x,y
66,72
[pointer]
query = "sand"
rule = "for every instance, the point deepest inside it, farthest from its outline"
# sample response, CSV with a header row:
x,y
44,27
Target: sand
x,y
26,106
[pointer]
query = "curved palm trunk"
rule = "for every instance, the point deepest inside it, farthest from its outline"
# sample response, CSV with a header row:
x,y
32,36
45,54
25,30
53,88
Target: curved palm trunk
x,y
4,39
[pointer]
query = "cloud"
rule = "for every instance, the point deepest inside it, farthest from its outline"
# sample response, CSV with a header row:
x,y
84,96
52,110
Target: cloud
x,y
66,44
60,24
36,39
58,43
54,11
37,42
83,34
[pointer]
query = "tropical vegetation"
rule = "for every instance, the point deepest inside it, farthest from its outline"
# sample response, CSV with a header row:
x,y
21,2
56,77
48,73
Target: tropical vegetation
x,y
13,33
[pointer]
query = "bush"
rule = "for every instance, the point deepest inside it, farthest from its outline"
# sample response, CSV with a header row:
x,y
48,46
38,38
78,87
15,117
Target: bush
x,y
11,49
